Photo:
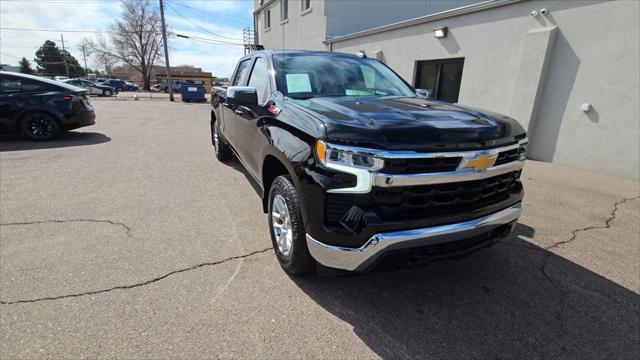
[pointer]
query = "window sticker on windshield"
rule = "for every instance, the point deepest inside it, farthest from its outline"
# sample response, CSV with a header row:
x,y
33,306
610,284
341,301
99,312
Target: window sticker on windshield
x,y
298,83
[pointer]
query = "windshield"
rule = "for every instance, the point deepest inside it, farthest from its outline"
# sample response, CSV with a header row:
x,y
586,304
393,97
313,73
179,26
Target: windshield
x,y
303,76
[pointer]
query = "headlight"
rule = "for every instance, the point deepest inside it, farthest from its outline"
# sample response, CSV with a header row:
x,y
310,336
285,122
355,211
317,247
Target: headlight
x,y
330,155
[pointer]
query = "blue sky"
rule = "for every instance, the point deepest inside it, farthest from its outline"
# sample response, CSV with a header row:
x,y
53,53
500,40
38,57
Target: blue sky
x,y
212,19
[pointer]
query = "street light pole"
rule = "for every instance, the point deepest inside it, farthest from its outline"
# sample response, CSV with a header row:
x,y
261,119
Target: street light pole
x,y
166,52
64,55
84,55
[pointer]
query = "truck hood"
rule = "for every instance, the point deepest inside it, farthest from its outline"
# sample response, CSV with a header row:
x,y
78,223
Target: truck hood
x,y
409,123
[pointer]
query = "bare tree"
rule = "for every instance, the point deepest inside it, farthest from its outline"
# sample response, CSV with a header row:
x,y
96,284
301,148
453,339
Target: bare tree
x,y
135,39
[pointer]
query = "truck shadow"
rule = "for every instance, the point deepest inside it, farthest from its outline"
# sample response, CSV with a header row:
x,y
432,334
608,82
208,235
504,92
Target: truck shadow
x,y
514,300
72,138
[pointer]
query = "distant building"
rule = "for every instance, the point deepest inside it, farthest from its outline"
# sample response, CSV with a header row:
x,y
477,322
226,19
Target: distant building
x,y
189,74
568,70
10,68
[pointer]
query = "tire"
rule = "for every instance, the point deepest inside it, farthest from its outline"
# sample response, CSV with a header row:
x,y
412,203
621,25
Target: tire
x,y
220,146
107,93
287,228
39,126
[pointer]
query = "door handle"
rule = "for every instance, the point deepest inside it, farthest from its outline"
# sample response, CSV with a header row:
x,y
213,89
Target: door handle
x,y
239,112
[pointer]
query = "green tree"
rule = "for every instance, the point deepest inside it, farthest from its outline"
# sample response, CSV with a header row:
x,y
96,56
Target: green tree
x,y
25,66
51,61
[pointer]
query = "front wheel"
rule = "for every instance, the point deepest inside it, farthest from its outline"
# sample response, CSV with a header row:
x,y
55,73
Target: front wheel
x,y
287,228
107,93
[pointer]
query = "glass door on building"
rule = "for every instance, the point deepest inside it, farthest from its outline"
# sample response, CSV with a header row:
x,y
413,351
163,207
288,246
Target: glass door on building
x,y
441,78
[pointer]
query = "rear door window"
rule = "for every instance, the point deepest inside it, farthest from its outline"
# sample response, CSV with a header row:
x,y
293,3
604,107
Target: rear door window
x,y
29,85
10,85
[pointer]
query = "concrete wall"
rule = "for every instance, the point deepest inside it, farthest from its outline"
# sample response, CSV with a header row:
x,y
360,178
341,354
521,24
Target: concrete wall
x,y
331,18
349,16
301,31
591,55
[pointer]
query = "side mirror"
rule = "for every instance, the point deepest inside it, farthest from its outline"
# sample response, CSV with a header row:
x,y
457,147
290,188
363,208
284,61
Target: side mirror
x,y
424,93
242,96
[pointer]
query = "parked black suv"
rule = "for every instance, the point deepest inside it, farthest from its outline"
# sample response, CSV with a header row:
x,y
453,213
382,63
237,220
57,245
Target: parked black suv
x,y
41,108
354,166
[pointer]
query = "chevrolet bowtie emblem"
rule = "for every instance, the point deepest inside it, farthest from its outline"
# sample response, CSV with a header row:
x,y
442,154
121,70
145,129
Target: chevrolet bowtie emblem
x,y
479,162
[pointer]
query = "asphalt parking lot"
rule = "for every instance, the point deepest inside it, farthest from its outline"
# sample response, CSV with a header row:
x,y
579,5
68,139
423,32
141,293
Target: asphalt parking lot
x,y
128,239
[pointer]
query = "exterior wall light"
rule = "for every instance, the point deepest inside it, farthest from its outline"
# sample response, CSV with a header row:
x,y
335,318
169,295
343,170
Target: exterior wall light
x,y
440,33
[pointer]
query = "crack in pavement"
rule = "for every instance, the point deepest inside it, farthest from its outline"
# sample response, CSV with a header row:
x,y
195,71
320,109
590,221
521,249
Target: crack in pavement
x,y
123,225
607,224
138,284
574,234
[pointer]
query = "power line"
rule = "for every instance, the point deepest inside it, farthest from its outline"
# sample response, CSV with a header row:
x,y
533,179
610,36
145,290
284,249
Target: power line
x,y
77,2
73,31
9,55
208,41
198,26
211,14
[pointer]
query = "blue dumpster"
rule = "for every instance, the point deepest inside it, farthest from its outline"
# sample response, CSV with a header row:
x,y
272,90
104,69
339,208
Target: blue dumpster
x,y
193,92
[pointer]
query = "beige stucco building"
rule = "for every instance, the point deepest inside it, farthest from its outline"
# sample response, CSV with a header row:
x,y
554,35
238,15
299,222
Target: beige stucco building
x,y
568,70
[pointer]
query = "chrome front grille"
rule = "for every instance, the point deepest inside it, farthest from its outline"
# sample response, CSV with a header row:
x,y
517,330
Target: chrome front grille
x,y
421,165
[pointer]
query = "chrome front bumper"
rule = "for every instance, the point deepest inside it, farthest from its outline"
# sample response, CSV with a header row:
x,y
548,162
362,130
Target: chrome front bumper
x,y
360,259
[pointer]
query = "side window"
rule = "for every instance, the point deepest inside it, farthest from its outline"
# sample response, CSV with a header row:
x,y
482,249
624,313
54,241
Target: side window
x,y
241,73
260,79
33,85
10,85
369,76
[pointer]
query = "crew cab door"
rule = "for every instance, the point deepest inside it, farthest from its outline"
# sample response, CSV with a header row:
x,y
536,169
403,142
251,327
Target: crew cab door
x,y
228,121
248,133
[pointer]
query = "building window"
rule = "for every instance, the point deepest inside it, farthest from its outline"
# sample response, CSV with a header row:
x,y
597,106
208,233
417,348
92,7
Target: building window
x,y
441,78
284,10
306,5
267,19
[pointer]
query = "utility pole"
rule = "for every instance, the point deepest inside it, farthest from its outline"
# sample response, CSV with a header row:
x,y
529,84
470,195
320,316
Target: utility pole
x,y
84,55
166,52
64,56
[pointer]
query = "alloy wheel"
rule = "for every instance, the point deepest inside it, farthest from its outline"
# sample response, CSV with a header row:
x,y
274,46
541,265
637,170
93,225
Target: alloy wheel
x,y
41,126
216,138
281,221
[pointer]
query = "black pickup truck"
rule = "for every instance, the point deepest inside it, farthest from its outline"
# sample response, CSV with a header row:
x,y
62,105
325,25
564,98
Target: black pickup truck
x,y
354,167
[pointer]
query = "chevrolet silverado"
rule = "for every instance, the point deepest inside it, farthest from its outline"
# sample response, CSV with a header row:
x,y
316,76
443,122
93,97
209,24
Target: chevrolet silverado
x,y
354,167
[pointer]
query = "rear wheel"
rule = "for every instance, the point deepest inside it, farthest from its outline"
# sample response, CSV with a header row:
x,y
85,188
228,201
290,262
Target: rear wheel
x,y
39,126
107,93
287,228
222,149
